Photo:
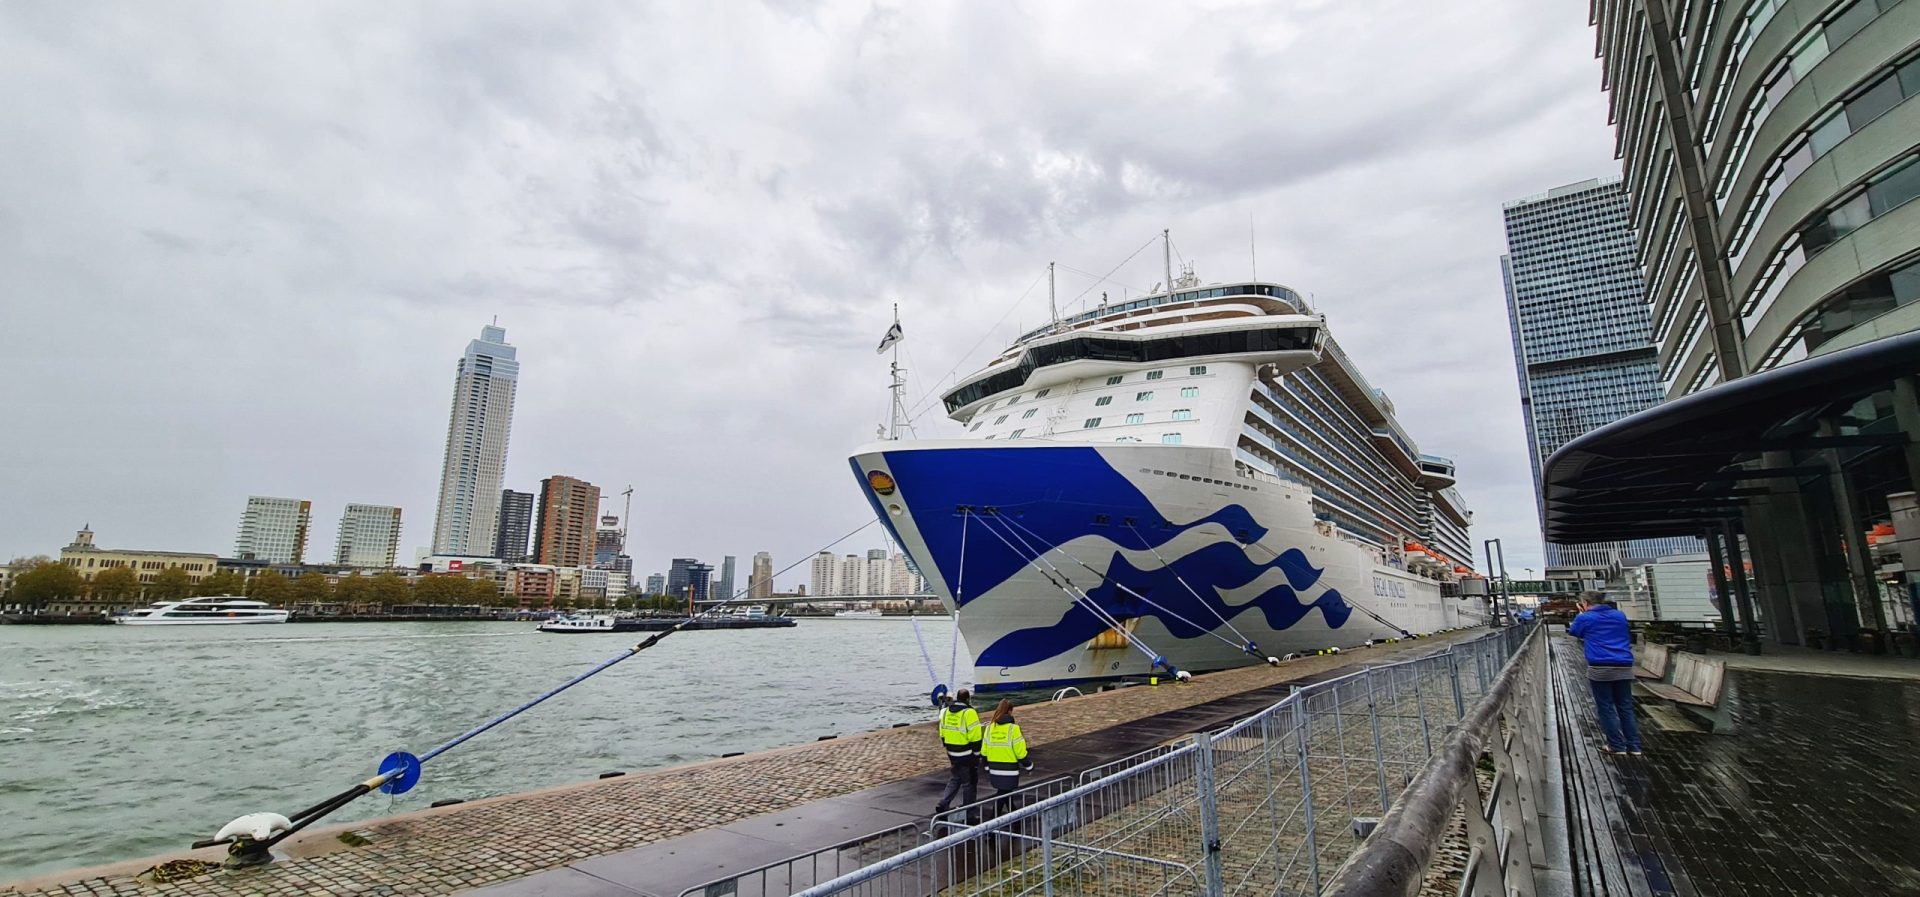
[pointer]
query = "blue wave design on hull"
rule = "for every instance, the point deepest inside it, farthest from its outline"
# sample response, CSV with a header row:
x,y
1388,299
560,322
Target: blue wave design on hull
x,y
1052,494
1046,497
1186,614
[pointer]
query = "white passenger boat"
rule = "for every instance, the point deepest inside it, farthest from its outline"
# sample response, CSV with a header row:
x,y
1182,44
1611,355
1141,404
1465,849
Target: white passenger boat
x,y
581,623
1194,479
216,610
862,614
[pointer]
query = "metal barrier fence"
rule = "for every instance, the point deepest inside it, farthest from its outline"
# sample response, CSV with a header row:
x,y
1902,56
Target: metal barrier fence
x,y
1273,804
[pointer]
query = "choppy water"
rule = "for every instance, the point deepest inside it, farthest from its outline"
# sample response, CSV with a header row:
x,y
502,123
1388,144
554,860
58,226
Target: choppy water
x,y
117,742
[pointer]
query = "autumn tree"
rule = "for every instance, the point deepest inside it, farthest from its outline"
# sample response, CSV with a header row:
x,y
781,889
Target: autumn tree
x,y
353,590
311,588
390,589
46,582
484,592
443,589
271,587
171,584
115,584
223,582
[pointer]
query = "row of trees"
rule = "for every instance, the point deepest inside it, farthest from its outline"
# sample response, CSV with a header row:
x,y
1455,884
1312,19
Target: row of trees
x,y
40,581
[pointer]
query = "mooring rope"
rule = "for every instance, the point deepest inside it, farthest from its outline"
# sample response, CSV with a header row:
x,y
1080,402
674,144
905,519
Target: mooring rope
x,y
1247,643
1064,583
1237,646
403,770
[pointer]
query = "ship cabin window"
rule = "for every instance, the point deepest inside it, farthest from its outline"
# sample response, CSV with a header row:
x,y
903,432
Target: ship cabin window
x,y
1029,413
1190,392
988,407
1170,438
1183,414
1013,401
1091,423
1143,396
976,426
1128,439
1154,375
1136,418
1103,400
1043,393
1115,380
1000,420
1017,433
1198,370
1100,519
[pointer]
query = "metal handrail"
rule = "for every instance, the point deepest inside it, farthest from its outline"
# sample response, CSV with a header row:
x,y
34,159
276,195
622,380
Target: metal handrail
x,y
1395,857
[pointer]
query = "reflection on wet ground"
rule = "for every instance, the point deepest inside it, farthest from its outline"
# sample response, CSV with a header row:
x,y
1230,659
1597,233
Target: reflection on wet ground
x,y
1815,790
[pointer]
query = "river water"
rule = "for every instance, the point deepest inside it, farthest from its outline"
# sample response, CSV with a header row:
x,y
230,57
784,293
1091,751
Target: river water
x,y
118,742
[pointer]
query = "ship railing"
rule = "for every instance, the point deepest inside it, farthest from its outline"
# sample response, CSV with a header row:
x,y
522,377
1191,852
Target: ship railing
x,y
1336,788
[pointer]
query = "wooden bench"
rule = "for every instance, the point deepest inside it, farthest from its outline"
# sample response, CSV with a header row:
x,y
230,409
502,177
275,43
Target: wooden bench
x,y
1651,661
1695,681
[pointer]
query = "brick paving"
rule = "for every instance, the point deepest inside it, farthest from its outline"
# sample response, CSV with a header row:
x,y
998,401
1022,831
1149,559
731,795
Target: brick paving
x,y
486,841
1815,790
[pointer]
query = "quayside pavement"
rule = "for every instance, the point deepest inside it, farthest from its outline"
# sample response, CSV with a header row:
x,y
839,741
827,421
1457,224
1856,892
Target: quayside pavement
x,y
501,839
1811,788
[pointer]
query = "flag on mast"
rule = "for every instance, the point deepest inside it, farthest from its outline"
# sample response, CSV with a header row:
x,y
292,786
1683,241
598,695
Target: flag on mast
x,y
893,336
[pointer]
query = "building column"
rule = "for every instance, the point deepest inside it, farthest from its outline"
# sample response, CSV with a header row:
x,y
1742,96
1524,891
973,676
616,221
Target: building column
x,y
1866,592
1750,640
1782,562
1723,596
1906,415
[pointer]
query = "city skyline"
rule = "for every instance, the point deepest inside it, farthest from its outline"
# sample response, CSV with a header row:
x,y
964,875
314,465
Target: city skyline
x,y
630,210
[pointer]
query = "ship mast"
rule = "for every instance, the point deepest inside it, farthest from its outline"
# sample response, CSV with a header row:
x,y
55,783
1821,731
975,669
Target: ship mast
x,y
898,420
1052,306
1166,245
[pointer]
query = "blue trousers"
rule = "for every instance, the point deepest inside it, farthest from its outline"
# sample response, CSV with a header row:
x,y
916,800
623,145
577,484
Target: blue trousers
x,y
1613,703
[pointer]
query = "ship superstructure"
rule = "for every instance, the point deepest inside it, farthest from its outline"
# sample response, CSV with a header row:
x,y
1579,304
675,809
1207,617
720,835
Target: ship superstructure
x,y
1194,479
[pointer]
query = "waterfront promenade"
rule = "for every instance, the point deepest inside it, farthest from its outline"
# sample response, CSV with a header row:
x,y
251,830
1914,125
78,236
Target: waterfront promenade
x,y
504,838
1808,788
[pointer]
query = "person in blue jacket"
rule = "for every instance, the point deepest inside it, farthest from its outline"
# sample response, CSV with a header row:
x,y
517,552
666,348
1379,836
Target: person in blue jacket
x,y
1602,631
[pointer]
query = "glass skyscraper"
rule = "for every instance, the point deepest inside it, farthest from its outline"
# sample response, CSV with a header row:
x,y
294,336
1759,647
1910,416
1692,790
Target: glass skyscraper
x,y
1582,337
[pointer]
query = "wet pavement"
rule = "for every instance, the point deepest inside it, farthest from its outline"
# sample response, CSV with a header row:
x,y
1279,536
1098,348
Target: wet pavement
x,y
1813,789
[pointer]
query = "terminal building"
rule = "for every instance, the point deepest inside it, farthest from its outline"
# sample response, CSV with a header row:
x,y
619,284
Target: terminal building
x,y
1769,152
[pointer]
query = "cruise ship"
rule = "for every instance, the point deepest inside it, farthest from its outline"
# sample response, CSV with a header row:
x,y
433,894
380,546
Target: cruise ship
x,y
1192,480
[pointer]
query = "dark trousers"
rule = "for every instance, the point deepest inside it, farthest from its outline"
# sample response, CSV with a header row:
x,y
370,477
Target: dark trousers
x,y
1613,703
1004,782
963,780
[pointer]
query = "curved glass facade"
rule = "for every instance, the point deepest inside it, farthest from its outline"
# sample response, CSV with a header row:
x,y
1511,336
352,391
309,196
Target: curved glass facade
x,y
1770,209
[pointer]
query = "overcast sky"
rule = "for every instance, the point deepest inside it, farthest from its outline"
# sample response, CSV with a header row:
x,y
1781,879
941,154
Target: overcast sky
x,y
243,244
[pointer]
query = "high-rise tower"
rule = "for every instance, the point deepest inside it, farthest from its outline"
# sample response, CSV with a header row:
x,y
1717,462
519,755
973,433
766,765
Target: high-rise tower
x,y
563,534
369,536
476,458
273,530
760,581
516,522
1582,339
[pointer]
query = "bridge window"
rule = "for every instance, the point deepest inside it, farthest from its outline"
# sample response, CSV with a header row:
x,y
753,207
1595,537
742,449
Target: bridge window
x,y
1154,375
1043,393
1115,380
1197,370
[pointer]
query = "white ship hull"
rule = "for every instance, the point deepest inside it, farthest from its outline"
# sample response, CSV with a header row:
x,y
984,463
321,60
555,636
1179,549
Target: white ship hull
x,y
1025,540
280,617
